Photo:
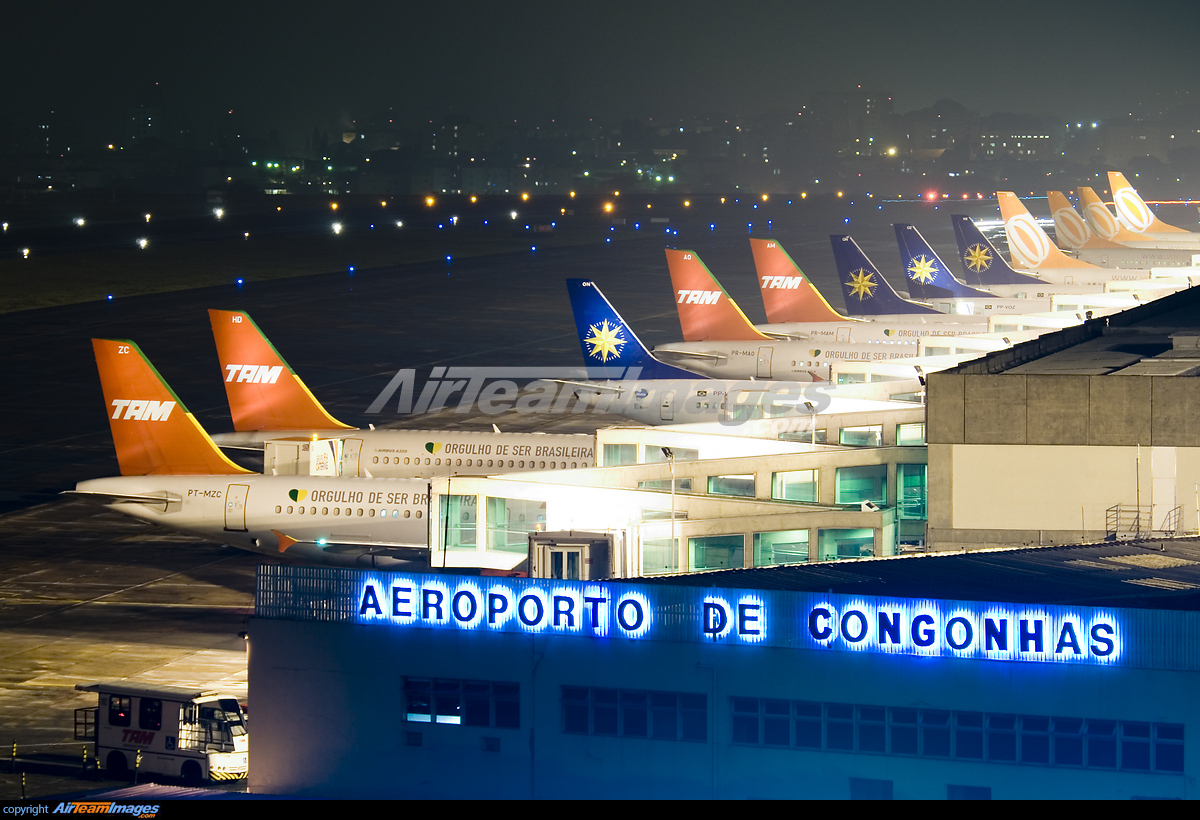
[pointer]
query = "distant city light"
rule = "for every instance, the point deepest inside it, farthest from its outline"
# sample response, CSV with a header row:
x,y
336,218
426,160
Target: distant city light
x,y
79,221
572,194
147,217
218,212
337,227
513,214
687,203
399,224
608,206
246,235
333,205
383,204
524,197
143,242
24,253
474,199
429,201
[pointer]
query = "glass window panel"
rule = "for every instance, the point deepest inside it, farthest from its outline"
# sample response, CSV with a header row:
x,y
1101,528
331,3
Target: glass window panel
x,y
781,547
694,717
659,555
1102,743
911,490
808,733
616,455
635,719
717,551
910,435
509,522
739,485
854,485
794,485
864,436
839,735
872,737
150,714
458,521
847,543
682,485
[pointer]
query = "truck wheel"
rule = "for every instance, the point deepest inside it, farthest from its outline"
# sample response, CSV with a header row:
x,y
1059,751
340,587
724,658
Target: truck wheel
x,y
191,772
116,764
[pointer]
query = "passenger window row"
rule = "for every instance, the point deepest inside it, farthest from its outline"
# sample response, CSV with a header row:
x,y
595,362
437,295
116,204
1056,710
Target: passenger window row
x,y
463,702
471,462
999,738
370,512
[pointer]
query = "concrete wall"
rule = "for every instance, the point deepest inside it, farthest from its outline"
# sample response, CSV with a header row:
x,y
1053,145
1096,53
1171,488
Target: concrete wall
x,y
329,718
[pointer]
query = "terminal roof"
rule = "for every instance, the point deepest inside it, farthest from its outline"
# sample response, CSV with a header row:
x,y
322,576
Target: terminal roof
x,y
1154,574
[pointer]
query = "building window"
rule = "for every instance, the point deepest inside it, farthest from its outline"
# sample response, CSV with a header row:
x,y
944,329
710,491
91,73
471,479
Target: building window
x,y
659,555
717,551
458,521
865,436
780,547
492,704
857,484
740,485
1036,740
682,485
634,713
912,490
910,435
794,485
619,455
509,522
845,543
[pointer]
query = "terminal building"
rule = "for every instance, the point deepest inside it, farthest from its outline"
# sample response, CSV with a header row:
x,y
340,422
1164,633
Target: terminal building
x,y
1030,673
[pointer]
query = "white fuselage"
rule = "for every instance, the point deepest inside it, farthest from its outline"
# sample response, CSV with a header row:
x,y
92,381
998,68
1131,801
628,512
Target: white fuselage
x,y
860,331
1140,256
430,453
248,511
792,360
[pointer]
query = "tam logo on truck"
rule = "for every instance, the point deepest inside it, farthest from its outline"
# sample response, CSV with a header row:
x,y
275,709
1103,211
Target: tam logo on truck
x,y
253,373
781,282
142,410
137,737
699,297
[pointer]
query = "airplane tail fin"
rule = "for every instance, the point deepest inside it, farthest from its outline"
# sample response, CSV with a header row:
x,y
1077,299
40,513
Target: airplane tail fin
x,y
928,276
982,263
606,339
1100,218
264,392
153,432
787,293
1132,210
705,309
1030,246
867,293
1070,228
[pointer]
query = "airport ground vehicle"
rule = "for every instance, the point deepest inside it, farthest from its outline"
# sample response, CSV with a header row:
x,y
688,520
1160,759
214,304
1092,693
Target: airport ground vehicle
x,y
190,733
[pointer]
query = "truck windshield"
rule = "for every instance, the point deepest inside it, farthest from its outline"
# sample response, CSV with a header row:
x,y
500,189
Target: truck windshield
x,y
226,714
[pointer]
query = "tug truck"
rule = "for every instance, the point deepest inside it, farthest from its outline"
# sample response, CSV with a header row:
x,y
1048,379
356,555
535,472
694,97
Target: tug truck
x,y
189,733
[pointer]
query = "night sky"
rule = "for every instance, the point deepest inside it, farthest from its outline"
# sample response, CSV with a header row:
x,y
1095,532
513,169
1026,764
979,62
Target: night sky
x,y
300,64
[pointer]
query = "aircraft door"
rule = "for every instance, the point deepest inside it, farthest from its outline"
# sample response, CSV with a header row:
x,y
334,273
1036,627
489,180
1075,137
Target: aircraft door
x,y
1070,280
667,409
764,362
235,507
351,450
843,335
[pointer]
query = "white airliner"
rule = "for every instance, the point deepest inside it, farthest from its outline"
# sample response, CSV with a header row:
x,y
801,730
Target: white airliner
x,y
1075,232
1107,227
270,403
174,475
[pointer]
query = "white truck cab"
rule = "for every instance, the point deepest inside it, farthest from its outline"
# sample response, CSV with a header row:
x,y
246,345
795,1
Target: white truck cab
x,y
189,733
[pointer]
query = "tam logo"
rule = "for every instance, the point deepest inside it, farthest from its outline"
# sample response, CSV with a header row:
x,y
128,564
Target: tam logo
x,y
137,737
781,282
141,410
253,373
698,297
297,495
433,447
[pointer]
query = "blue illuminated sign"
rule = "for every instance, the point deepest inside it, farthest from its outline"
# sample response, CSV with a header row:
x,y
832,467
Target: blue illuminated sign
x,y
617,610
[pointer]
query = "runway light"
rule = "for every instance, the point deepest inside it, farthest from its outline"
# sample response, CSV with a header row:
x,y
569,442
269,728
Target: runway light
x,y
333,205
608,239
474,199
246,235
839,193
79,221
429,201
239,281
109,297
533,248
24,253
712,226
932,195
764,197
218,213
524,197
804,195
399,224
337,227
608,206
572,194
147,217
687,203
722,200
964,196
447,257
513,214
143,242
352,269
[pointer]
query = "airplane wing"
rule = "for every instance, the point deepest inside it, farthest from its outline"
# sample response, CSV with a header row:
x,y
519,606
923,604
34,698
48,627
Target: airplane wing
x,y
600,388
714,357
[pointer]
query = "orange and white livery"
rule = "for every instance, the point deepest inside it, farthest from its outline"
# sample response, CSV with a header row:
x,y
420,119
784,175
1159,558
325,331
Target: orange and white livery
x,y
264,392
1071,228
1029,245
787,294
153,432
1132,210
